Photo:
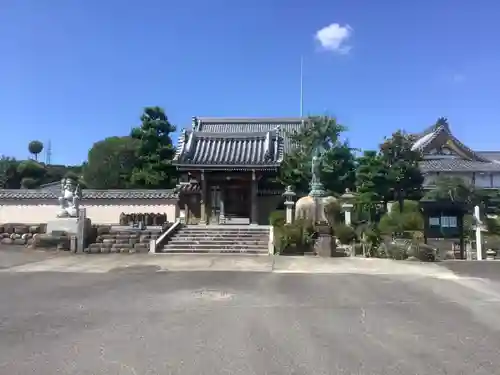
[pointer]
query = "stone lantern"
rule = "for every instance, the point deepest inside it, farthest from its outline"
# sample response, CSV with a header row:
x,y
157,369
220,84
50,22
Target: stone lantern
x,y
347,206
289,195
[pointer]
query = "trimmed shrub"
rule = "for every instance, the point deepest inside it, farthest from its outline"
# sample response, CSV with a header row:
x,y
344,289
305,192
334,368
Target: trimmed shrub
x,y
345,234
295,238
277,218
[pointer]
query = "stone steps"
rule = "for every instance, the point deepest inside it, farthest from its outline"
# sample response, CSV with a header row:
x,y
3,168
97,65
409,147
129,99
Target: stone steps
x,y
219,240
207,241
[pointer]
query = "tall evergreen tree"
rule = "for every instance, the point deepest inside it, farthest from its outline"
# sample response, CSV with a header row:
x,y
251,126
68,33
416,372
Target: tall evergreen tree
x,y
155,151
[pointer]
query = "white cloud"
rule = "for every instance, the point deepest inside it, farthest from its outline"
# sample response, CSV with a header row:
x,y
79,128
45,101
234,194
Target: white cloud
x,y
334,38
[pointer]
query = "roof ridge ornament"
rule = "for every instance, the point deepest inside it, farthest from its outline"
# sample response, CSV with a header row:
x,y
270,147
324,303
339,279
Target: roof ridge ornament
x,y
189,144
267,146
195,123
182,144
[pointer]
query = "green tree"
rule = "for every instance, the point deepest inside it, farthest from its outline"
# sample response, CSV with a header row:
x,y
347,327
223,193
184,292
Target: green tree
x,y
395,221
32,173
9,178
338,164
35,147
110,163
452,189
57,172
155,151
372,182
402,164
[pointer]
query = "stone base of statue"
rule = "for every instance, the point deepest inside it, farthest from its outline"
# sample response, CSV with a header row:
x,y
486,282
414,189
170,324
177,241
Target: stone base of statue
x,y
68,212
324,245
67,225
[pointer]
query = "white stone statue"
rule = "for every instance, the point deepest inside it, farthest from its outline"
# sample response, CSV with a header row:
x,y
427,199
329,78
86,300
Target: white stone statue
x,y
69,201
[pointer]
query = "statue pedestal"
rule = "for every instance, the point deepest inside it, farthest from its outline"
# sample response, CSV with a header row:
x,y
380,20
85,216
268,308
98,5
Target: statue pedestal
x,y
325,244
66,224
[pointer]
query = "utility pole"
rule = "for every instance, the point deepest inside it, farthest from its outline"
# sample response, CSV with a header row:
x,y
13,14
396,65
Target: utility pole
x,y
48,153
301,86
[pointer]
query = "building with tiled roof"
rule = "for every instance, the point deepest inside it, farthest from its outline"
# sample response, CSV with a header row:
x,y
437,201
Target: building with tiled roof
x,y
227,165
445,155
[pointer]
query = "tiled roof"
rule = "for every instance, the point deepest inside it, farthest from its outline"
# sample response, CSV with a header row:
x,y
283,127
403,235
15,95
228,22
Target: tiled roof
x,y
491,155
54,187
287,125
232,149
457,165
236,143
440,133
9,194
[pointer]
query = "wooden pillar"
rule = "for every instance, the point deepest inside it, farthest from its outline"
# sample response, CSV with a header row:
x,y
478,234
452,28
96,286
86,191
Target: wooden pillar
x,y
203,199
253,200
222,212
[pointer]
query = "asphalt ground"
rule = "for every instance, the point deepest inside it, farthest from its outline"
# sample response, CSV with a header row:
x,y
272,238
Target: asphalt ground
x,y
286,317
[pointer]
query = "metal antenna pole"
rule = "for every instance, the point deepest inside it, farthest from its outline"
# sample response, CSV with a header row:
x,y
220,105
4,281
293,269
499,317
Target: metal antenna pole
x,y
301,86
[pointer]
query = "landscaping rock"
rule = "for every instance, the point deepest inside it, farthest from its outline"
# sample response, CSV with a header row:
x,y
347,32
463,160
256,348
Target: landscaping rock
x,y
21,229
51,242
104,229
35,229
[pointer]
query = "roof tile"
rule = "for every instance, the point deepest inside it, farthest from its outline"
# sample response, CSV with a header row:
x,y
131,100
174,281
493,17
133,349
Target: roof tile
x,y
10,194
457,165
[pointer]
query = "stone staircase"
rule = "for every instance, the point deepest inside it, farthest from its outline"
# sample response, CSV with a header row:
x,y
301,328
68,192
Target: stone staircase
x,y
219,239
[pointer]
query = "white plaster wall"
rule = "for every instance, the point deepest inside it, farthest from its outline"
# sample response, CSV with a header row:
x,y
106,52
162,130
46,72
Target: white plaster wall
x,y
483,180
99,211
430,178
496,180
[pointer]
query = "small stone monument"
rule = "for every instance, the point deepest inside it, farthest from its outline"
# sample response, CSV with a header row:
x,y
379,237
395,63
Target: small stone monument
x,y
69,205
289,195
69,201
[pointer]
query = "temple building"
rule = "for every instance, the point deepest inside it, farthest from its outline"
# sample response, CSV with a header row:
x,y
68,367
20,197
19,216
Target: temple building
x,y
229,167
445,155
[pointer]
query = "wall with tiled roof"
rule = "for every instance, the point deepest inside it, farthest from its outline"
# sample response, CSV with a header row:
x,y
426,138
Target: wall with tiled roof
x,y
102,206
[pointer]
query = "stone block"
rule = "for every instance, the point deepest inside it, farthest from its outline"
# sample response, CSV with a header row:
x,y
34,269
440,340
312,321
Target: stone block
x,y
104,229
51,242
68,225
63,245
35,229
122,237
7,241
122,241
145,238
108,241
21,229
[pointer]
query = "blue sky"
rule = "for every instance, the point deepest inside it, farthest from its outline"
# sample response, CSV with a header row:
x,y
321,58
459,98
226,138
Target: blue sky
x,y
76,71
